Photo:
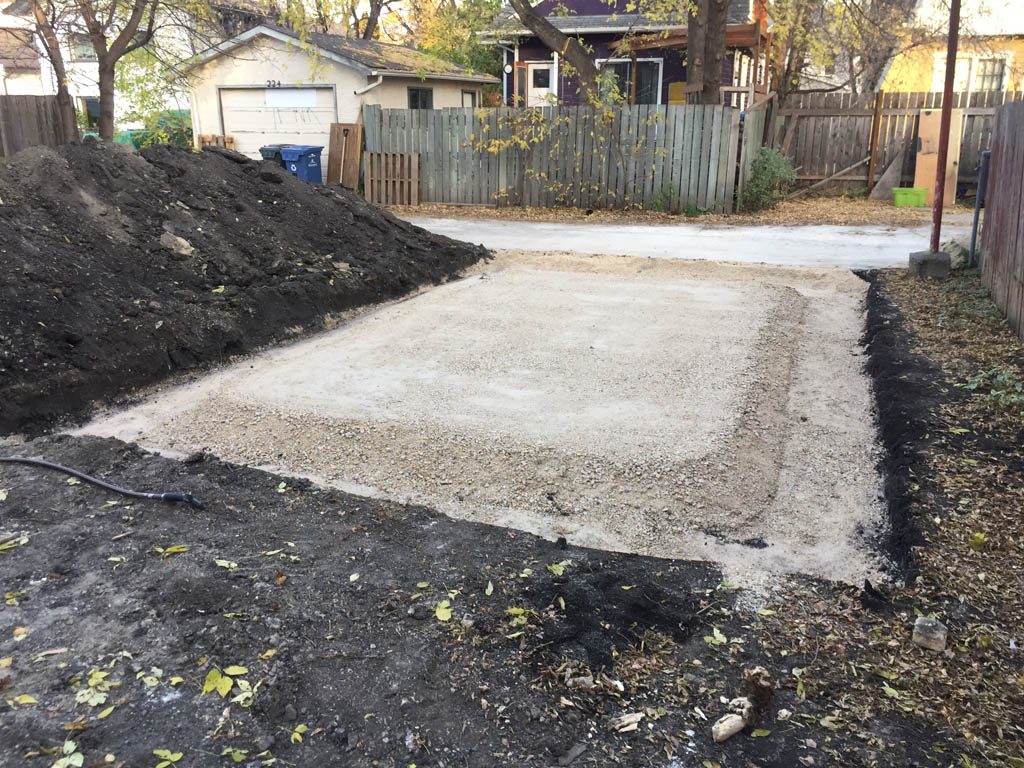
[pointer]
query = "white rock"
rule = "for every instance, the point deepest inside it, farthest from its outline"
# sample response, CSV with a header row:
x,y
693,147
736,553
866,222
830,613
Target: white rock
x,y
727,726
743,707
930,633
175,244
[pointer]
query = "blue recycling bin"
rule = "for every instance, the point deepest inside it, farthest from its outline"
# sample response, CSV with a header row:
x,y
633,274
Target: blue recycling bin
x,y
302,161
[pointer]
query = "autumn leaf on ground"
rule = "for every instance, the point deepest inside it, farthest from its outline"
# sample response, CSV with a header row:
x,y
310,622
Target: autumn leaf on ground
x,y
167,758
716,638
443,611
217,681
12,544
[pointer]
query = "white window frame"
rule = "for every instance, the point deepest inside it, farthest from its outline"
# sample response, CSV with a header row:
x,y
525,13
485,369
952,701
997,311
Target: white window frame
x,y
661,70
971,59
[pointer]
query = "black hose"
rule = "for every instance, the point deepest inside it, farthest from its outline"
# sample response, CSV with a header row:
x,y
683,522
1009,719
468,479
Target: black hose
x,y
175,497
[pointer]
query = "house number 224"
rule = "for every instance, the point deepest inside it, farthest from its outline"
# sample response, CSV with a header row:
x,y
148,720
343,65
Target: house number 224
x,y
273,83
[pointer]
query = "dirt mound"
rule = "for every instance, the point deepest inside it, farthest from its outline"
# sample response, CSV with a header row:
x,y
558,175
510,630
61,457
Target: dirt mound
x,y
121,267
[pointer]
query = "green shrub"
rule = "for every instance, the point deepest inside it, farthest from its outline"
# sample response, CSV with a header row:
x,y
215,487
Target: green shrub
x,y
771,177
1004,387
661,202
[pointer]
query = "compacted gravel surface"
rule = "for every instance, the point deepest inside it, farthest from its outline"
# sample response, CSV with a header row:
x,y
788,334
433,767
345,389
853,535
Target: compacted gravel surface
x,y
678,410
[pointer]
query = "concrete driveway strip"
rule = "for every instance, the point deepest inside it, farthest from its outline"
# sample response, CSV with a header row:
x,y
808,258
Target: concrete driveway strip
x,y
679,409
849,247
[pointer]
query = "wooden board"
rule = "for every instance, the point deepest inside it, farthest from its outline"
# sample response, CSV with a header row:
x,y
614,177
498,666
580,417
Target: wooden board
x,y
344,154
928,152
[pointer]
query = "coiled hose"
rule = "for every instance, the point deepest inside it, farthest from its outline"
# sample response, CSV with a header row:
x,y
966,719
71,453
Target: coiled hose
x,y
174,497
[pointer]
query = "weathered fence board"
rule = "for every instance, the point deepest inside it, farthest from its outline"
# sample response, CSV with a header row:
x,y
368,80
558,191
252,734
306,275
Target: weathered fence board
x,y
666,157
27,121
1003,233
822,133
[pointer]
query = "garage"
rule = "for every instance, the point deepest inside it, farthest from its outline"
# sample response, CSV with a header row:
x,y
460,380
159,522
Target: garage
x,y
268,86
295,115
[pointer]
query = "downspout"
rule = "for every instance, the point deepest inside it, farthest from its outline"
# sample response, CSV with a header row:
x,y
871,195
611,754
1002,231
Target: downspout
x,y
504,75
370,87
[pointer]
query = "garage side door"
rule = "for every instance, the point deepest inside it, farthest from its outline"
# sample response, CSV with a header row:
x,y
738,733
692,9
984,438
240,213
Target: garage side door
x,y
259,116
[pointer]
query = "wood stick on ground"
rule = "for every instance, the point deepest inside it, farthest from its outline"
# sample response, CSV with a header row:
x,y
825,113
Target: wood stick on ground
x,y
817,184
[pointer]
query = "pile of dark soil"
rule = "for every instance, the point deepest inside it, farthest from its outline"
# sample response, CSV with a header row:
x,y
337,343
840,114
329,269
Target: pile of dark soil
x,y
121,267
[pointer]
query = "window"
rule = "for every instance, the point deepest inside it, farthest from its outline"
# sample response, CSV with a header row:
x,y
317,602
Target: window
x,y
541,77
421,98
81,48
620,84
90,108
988,74
469,99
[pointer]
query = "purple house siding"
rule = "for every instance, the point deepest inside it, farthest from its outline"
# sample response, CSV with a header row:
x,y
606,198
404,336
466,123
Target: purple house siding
x,y
601,24
673,66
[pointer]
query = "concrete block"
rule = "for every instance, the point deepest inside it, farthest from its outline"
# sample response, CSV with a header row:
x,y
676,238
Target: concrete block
x,y
928,265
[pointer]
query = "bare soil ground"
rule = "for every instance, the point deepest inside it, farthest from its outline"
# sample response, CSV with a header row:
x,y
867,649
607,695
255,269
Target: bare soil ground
x,y
850,211
664,408
330,603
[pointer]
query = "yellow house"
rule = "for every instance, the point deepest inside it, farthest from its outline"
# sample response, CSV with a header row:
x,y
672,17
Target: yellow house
x,y
268,86
990,55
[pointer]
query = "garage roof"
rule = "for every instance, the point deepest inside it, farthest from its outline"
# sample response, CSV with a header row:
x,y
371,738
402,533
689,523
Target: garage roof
x,y
367,56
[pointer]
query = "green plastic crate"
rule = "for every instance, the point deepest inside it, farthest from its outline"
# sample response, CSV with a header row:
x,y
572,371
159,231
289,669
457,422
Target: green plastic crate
x,y
909,197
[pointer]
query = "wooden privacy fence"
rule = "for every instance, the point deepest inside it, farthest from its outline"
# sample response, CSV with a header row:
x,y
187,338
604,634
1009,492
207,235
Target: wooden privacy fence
x,y
27,121
823,133
669,158
392,178
1002,263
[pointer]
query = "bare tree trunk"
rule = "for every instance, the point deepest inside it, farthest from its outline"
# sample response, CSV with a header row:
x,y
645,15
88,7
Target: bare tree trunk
x,y
131,37
696,34
569,48
372,19
714,51
106,82
705,51
44,28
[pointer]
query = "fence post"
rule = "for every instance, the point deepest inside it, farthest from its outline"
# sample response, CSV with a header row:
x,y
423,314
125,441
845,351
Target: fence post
x,y
876,126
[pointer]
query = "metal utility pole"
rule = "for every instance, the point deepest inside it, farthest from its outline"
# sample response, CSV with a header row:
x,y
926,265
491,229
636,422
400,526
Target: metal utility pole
x,y
947,109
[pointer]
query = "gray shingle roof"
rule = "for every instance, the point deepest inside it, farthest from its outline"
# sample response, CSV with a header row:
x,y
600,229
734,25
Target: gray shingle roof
x,y
368,56
392,58
507,22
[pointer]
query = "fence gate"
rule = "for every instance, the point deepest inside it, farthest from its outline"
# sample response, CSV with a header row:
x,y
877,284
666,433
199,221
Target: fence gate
x,y
823,133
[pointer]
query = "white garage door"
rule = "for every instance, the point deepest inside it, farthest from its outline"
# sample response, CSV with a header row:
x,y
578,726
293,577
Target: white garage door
x,y
259,116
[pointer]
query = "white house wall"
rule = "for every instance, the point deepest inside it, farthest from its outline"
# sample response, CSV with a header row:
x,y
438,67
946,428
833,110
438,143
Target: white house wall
x,y
242,80
393,92
273,92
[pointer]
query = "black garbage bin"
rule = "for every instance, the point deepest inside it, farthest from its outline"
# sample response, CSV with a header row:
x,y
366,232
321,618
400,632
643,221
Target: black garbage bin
x,y
272,152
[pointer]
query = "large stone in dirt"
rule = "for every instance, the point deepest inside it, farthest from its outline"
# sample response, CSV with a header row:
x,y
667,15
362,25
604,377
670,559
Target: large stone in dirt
x,y
175,244
930,633
727,726
930,265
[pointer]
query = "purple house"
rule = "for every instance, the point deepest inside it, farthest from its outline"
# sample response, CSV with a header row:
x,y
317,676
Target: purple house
x,y
647,57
